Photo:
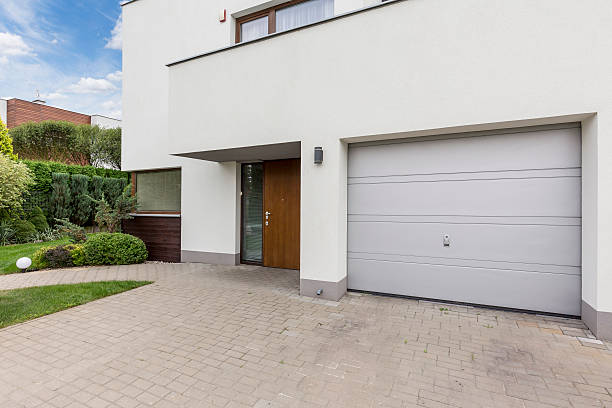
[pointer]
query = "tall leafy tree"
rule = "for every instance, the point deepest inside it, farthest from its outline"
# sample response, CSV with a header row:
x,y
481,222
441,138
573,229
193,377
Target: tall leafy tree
x,y
15,177
6,143
68,143
106,148
50,140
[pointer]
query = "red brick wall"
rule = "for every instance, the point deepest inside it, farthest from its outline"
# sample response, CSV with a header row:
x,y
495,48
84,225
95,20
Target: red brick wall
x,y
19,111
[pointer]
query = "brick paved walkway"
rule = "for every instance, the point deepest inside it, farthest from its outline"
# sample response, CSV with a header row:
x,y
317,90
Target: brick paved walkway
x,y
212,336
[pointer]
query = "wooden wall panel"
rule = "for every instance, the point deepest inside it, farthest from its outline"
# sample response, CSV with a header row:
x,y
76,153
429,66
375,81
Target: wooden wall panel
x,y
19,111
161,235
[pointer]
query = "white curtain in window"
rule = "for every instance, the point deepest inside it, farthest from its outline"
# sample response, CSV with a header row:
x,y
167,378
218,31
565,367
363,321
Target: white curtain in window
x,y
303,13
254,29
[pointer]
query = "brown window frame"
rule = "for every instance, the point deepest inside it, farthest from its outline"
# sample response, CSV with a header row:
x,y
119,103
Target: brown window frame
x,y
133,179
270,12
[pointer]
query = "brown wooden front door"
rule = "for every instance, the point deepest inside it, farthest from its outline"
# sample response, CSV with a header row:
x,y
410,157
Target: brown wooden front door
x,y
281,203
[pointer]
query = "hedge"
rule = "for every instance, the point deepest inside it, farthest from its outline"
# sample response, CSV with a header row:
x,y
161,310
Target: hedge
x,y
81,203
61,196
38,194
42,172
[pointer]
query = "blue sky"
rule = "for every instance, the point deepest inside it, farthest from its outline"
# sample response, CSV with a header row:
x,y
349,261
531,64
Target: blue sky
x,y
69,50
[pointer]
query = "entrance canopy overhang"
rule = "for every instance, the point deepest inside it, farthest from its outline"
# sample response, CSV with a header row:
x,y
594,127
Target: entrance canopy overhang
x,y
276,151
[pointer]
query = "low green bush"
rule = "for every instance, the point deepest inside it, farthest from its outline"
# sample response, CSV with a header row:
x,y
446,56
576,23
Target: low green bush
x,y
114,249
49,234
39,259
99,249
37,217
7,232
59,256
77,252
24,230
74,232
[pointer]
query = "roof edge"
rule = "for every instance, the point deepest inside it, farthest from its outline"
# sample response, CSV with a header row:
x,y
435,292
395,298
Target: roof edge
x,y
128,2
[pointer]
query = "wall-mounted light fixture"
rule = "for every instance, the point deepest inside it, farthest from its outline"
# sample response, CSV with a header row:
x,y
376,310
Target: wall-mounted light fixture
x,y
318,155
222,15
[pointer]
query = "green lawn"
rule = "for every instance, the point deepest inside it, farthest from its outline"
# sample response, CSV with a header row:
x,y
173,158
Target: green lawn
x,y
11,253
19,305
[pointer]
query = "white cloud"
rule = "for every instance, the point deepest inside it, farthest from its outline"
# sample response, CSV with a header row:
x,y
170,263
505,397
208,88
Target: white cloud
x,y
53,95
115,76
108,105
3,59
12,45
24,13
115,43
92,85
112,107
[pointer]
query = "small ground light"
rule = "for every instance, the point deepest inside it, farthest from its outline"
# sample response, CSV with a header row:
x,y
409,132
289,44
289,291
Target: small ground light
x,y
23,263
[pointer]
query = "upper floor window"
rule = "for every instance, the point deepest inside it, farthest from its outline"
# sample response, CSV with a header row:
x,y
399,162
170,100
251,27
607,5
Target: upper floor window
x,y
283,17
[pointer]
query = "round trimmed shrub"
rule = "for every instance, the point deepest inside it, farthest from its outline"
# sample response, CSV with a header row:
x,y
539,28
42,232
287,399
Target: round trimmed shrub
x,y
114,249
24,230
38,219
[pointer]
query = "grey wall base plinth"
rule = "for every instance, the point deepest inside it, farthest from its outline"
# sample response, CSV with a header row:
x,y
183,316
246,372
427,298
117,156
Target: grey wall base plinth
x,y
600,323
210,257
330,290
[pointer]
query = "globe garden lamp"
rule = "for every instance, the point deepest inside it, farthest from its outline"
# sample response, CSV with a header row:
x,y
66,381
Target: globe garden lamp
x,y
23,263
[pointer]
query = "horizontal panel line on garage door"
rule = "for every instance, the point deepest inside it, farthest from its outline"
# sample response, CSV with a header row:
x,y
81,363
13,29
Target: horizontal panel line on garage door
x,y
412,258
458,180
572,171
466,219
568,269
472,223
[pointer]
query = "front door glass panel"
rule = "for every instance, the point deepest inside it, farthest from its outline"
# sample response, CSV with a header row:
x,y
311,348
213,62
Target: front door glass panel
x,y
252,212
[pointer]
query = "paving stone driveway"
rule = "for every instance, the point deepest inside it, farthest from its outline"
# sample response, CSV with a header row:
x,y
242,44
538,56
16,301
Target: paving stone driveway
x,y
212,336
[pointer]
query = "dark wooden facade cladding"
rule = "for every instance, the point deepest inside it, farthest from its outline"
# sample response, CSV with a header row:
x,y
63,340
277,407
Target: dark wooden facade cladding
x,y
19,111
161,235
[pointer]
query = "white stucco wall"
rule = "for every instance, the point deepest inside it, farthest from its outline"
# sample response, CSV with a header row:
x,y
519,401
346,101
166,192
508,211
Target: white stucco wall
x,y
156,32
3,107
105,122
407,69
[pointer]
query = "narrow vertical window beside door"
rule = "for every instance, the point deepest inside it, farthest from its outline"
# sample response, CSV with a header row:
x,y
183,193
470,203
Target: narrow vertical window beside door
x,y
252,213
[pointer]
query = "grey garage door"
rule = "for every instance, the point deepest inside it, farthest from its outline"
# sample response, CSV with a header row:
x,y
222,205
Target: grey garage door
x,y
508,202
